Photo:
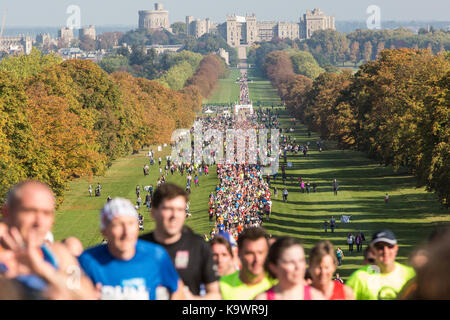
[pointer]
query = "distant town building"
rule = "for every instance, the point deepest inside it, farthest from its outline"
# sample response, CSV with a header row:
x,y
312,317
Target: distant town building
x,y
245,30
197,27
88,32
70,53
18,44
240,30
163,48
315,20
43,38
154,19
66,34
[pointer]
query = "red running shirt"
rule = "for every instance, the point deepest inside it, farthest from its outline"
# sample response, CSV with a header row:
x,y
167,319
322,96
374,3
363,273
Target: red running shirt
x,y
338,291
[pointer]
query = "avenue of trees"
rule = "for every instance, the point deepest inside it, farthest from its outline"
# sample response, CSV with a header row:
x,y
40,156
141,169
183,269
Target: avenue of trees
x,y
331,48
62,120
395,108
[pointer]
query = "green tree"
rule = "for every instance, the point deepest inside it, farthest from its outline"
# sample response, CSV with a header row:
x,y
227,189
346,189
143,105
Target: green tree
x,y
25,66
367,51
305,64
114,63
178,28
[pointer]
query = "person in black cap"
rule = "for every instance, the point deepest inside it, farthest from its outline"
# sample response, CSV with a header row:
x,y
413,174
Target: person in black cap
x,y
386,279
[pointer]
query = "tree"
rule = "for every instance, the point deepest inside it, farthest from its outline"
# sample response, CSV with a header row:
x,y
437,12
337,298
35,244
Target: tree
x,y
113,63
367,51
16,138
354,52
108,40
179,28
380,47
305,64
87,44
26,66
343,50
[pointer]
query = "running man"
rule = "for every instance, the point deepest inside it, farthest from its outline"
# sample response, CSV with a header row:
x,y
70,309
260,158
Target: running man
x,y
385,280
44,268
127,268
252,279
190,254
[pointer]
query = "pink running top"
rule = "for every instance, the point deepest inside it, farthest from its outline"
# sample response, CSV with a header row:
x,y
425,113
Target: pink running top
x,y
306,295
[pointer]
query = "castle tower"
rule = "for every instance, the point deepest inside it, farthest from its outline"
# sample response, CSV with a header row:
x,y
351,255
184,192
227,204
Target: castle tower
x,y
154,19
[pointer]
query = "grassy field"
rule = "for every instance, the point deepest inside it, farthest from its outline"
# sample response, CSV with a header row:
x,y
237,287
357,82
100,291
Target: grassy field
x,y
227,90
411,213
261,91
79,214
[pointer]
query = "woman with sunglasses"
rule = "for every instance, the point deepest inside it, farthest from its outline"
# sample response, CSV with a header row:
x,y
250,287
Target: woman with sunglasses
x,y
322,265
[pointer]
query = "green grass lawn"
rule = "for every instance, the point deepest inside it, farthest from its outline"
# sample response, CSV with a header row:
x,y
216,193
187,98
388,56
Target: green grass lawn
x,y
227,90
261,91
79,214
411,213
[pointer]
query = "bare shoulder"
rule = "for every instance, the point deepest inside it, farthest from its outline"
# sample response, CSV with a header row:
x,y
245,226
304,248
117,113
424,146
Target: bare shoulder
x,y
261,296
349,295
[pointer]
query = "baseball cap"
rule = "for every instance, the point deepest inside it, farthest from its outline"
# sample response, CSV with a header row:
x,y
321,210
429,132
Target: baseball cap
x,y
228,237
117,207
384,236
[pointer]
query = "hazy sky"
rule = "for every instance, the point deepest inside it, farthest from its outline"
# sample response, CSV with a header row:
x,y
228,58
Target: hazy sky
x,y
124,12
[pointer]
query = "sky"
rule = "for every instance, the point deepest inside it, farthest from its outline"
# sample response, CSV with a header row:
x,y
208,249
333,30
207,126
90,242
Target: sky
x,y
39,13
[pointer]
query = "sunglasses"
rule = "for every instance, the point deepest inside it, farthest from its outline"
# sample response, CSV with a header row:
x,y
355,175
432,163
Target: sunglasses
x,y
380,246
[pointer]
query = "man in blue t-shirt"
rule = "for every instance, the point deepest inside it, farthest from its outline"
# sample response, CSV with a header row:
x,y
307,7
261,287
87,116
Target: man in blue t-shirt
x,y
127,268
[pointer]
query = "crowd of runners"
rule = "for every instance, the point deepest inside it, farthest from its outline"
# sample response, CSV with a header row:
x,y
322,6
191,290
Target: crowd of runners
x,y
238,260
172,262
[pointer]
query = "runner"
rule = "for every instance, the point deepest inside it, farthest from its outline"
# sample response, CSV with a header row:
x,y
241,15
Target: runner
x,y
322,265
252,278
190,254
389,278
286,262
44,269
222,256
127,268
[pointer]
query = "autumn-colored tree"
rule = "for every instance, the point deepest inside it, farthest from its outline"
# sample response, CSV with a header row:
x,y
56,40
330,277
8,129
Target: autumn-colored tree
x,y
367,51
16,137
380,47
211,68
354,52
394,108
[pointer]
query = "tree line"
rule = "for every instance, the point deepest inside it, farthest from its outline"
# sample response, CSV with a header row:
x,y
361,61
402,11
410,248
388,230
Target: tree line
x,y
395,108
331,48
63,120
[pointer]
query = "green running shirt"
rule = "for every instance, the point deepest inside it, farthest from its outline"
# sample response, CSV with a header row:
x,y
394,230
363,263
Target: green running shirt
x,y
232,288
369,284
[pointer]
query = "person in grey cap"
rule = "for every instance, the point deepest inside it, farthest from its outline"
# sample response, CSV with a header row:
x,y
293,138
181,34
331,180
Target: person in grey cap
x,y
386,279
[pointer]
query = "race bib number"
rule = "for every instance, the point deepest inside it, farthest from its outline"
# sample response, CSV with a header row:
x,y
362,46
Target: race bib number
x,y
182,259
